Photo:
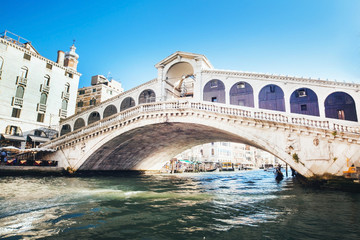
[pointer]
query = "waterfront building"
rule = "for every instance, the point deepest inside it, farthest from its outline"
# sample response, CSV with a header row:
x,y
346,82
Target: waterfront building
x,y
100,90
35,92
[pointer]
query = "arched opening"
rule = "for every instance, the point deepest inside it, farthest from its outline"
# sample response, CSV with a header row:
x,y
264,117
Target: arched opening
x,y
147,96
304,101
47,80
180,78
214,91
79,123
272,97
23,72
241,93
109,110
67,87
340,105
127,103
65,129
93,117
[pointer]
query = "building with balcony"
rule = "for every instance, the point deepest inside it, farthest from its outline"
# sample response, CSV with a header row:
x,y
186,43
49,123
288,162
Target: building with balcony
x,y
35,92
100,90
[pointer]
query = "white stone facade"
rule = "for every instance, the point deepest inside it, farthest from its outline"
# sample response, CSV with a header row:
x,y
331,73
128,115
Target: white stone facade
x,y
45,86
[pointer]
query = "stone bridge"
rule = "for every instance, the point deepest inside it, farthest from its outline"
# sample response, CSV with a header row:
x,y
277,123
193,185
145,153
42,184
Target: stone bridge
x,y
310,124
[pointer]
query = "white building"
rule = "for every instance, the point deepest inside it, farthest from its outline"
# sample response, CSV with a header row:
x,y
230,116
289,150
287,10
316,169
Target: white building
x,y
35,92
100,90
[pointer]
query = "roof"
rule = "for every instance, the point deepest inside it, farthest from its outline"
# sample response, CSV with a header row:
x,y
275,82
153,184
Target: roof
x,y
184,55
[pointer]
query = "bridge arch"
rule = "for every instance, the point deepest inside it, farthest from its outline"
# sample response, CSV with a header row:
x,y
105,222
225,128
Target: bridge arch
x,y
79,123
147,96
214,91
127,103
340,105
241,93
109,110
93,117
65,129
304,101
271,97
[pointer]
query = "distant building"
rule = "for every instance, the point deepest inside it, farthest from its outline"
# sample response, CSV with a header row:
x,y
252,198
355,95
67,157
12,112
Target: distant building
x,y
100,90
35,92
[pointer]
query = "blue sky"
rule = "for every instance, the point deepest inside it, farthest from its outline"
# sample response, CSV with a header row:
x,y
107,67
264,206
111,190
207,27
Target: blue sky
x,y
310,38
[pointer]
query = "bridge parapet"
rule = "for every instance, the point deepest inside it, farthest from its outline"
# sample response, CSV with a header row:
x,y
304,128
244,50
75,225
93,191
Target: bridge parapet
x,y
237,113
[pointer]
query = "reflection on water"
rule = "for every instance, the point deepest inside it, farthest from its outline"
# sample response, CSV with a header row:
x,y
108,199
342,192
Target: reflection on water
x,y
240,205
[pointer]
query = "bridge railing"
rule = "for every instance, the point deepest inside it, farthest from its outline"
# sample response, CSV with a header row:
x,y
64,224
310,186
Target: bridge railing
x,y
246,112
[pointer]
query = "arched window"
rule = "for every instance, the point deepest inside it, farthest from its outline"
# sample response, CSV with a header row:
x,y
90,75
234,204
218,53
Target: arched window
x,y
20,92
23,72
272,97
147,96
214,91
127,103
65,129
92,102
79,123
241,93
47,80
340,105
43,98
304,101
67,88
64,104
93,117
109,110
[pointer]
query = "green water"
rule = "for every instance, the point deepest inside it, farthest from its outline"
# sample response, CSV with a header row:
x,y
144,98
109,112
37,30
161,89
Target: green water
x,y
240,205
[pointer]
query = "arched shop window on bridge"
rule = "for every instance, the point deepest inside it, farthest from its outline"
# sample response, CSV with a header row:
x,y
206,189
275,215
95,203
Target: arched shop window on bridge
x,y
93,117
340,105
65,129
214,91
272,97
147,96
304,101
79,123
241,94
127,103
109,110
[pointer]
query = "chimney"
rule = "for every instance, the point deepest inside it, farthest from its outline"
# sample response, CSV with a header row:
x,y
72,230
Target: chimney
x,y
60,58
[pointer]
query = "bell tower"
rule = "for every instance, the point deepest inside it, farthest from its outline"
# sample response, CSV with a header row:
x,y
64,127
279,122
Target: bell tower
x,y
71,58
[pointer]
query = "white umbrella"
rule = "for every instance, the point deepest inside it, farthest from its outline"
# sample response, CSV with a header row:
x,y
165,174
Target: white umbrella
x,y
10,149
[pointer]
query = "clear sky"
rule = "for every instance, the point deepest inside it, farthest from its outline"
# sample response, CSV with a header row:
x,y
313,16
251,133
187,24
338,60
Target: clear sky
x,y
310,38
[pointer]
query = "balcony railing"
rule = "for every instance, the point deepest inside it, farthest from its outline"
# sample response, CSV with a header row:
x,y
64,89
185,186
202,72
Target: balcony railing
x,y
17,101
66,95
62,113
21,80
44,88
41,107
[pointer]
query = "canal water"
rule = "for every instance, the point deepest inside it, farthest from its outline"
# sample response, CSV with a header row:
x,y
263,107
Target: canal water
x,y
237,205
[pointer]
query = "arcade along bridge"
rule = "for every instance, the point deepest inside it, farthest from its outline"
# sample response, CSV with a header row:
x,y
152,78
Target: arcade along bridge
x,y
310,124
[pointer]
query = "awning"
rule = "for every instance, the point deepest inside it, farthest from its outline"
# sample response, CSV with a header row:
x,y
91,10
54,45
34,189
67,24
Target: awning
x,y
13,137
39,139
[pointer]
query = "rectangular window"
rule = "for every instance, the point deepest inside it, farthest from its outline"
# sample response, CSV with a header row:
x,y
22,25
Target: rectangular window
x,y
40,117
70,75
94,89
303,107
81,92
16,113
48,66
27,56
214,99
80,104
